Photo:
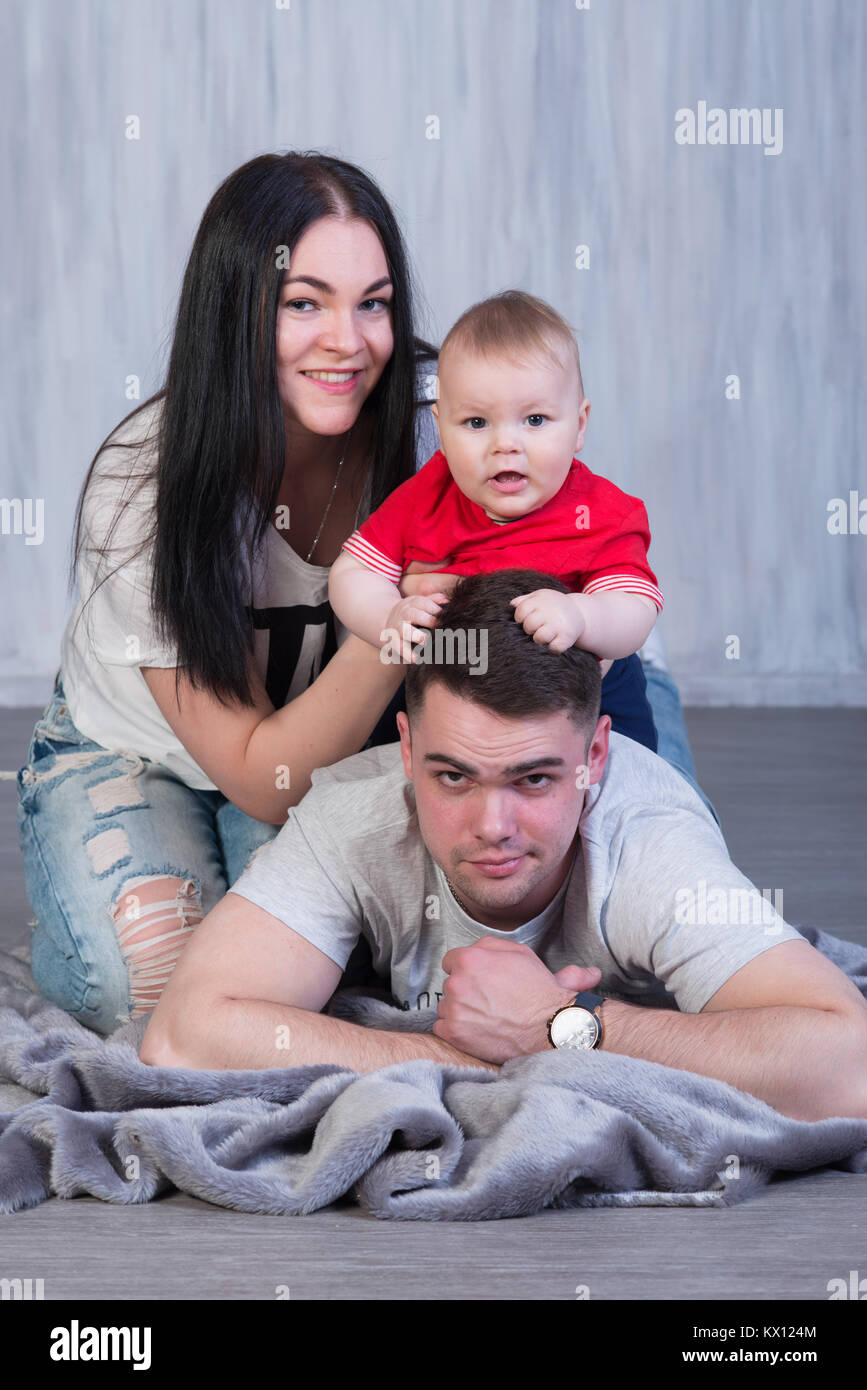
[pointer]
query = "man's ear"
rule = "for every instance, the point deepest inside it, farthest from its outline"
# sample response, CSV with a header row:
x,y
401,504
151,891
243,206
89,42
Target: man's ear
x,y
434,411
597,753
405,742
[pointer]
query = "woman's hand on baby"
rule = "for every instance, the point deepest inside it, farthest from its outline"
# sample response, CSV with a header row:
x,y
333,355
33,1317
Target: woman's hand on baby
x,y
421,577
406,623
551,617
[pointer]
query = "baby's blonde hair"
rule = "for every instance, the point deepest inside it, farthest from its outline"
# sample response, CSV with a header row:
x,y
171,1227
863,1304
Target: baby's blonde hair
x,y
514,322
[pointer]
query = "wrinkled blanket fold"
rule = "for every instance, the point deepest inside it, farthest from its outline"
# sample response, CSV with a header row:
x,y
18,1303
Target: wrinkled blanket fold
x,y
82,1115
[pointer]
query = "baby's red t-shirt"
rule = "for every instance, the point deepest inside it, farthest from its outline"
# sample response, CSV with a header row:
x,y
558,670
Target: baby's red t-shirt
x,y
590,535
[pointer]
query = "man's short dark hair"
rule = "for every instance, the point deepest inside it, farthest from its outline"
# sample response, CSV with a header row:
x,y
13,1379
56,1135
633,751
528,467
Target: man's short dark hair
x,y
522,677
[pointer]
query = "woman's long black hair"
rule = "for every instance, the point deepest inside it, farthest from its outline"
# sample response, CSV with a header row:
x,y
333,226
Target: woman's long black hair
x,y
221,445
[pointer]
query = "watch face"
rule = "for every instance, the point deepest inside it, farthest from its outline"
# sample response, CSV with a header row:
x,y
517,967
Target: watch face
x,y
576,1028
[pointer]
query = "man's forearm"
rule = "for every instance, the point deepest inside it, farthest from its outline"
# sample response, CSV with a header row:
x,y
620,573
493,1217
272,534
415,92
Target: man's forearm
x,y
783,1055
801,1061
235,1034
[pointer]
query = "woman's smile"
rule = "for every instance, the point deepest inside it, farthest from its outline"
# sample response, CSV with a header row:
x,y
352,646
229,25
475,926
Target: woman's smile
x,y
337,383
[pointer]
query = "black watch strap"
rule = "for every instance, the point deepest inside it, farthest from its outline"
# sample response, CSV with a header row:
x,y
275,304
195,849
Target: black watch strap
x,y
587,1000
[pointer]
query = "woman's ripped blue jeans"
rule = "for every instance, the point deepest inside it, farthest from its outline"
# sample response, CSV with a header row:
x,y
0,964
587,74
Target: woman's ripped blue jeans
x,y
122,860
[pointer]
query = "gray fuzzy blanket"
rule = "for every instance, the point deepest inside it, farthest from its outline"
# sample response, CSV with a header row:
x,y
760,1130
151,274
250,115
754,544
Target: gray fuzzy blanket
x,y
418,1141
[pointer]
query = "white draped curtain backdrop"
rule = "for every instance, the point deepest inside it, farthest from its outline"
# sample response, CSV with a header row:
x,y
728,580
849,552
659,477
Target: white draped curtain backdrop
x,y
683,179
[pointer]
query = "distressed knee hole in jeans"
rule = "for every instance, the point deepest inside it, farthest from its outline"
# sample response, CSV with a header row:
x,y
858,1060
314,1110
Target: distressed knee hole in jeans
x,y
155,915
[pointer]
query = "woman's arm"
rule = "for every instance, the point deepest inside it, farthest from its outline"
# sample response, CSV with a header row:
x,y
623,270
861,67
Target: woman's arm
x,y
262,758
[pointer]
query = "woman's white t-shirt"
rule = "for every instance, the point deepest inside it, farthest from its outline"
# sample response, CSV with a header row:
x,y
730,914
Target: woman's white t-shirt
x,y
108,638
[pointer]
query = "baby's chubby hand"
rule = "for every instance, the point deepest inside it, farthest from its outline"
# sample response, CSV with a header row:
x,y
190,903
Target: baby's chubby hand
x,y
551,617
408,619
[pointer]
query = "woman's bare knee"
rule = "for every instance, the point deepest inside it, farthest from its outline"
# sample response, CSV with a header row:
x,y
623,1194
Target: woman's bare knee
x,y
155,916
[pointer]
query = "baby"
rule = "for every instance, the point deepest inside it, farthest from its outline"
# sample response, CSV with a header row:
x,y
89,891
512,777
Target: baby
x,y
505,490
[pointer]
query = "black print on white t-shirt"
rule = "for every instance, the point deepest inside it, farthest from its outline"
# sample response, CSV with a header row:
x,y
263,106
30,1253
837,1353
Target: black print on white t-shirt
x,y
296,651
426,996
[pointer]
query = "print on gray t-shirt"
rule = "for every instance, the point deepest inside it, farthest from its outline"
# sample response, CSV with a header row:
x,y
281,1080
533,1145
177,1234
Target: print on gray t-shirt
x,y
653,899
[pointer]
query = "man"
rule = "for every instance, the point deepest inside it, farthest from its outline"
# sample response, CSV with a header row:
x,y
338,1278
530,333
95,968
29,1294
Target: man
x,y
509,855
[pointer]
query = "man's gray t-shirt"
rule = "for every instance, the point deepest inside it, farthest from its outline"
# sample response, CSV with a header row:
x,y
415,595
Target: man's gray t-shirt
x,y
653,898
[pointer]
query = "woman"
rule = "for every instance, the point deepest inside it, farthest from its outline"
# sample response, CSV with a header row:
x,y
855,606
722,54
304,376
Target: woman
x,y
202,678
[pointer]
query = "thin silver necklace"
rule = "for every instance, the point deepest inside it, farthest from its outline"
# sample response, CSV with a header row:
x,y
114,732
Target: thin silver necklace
x,y
331,498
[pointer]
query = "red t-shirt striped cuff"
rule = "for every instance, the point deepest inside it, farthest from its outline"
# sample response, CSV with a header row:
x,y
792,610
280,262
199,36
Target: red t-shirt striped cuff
x,y
374,559
625,583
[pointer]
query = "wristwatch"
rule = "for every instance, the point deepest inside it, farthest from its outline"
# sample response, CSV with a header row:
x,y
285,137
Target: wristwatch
x,y
577,1025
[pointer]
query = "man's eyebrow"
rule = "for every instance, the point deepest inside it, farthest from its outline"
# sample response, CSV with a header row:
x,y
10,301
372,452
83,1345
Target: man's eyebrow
x,y
329,289
514,770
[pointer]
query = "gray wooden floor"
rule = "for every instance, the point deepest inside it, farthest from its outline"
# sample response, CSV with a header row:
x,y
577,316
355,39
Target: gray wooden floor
x,y
790,788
